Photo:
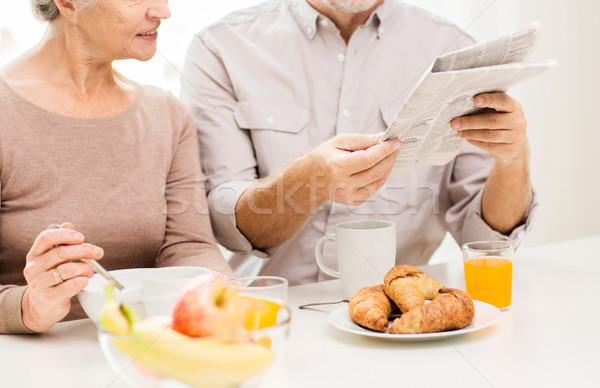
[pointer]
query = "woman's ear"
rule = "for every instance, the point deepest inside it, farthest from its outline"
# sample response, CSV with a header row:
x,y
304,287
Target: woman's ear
x,y
66,9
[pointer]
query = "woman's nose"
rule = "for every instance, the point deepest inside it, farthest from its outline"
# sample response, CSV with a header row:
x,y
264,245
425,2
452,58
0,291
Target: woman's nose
x,y
159,10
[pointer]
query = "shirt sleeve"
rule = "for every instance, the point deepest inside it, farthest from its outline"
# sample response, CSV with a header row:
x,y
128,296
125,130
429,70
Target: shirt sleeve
x,y
226,150
11,318
464,220
189,238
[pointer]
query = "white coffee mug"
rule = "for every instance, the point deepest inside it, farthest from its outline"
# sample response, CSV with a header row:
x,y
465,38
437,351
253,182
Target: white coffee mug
x,y
366,250
161,287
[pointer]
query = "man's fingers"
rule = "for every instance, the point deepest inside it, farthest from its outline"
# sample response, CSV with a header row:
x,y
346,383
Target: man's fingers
x,y
362,194
488,120
487,135
492,148
363,160
500,102
355,142
50,238
381,170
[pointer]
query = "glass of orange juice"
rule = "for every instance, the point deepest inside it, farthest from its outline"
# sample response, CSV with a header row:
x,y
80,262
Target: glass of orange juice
x,y
488,271
261,299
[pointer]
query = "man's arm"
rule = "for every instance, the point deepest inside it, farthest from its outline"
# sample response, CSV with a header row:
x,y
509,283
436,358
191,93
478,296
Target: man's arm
x,y
268,211
348,168
506,195
501,131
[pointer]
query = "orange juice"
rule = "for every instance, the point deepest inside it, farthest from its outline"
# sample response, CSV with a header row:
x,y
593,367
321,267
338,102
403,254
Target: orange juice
x,y
489,280
258,313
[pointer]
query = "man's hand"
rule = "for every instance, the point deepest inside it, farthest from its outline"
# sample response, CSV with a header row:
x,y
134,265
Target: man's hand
x,y
351,167
499,130
348,168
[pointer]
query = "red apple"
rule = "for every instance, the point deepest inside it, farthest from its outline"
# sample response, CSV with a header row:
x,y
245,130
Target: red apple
x,y
208,307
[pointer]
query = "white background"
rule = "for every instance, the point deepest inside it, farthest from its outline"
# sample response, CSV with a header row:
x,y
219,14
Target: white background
x,y
560,107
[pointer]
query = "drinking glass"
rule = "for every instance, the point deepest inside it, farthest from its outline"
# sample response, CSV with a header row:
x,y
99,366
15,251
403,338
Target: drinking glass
x,y
488,271
273,288
262,299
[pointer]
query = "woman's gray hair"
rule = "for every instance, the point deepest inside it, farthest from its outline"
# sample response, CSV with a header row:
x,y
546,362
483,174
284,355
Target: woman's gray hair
x,y
46,10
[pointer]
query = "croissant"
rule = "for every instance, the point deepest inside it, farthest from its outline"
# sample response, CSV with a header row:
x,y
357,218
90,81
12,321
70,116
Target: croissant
x,y
370,307
408,287
452,309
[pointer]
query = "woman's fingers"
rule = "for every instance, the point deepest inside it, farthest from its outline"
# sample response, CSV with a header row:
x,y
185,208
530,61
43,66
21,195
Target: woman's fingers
x,y
71,270
67,225
69,288
51,238
59,255
61,274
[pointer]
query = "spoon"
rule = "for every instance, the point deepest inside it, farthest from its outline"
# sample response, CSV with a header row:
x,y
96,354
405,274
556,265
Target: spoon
x,y
308,305
96,266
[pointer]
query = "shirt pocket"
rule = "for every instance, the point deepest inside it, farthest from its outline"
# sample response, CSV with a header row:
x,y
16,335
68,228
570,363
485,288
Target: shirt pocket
x,y
279,131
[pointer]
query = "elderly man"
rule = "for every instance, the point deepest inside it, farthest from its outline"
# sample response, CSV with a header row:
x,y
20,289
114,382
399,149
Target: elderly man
x,y
290,98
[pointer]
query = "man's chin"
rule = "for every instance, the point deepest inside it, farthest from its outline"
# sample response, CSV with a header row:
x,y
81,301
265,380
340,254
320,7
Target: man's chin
x,y
351,6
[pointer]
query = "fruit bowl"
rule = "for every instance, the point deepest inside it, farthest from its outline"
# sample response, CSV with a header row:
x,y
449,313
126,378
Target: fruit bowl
x,y
154,355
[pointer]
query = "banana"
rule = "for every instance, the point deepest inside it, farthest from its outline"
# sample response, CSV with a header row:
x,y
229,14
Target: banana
x,y
111,317
199,362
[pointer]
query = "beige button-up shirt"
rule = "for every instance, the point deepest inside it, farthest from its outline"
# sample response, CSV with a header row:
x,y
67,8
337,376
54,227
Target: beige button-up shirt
x,y
270,83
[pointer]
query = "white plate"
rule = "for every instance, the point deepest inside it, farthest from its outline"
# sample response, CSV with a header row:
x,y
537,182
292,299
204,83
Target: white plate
x,y
485,315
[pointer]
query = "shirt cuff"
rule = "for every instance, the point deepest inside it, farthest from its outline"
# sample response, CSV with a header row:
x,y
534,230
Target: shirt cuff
x,y
10,305
476,229
222,201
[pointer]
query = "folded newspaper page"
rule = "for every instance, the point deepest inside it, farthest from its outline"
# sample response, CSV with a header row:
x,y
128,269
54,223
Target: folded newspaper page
x,y
447,89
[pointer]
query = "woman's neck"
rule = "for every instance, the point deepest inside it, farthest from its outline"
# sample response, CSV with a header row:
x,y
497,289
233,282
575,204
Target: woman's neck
x,y
60,75
61,57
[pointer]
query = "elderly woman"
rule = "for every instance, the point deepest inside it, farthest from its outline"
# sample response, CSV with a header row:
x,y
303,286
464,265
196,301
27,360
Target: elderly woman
x,y
81,143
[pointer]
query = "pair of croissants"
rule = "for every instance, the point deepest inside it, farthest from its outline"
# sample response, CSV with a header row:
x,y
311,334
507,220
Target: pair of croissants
x,y
406,288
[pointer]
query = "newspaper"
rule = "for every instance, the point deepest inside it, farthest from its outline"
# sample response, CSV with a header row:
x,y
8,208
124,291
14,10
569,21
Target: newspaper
x,y
446,91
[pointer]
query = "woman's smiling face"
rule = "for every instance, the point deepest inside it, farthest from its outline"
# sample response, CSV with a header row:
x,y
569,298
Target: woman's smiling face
x,y
122,29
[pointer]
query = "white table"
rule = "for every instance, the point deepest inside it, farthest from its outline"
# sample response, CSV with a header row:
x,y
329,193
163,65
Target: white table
x,y
550,338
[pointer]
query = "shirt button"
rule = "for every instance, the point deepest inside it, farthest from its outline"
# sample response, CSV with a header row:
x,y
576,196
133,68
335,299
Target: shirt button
x,y
309,30
380,30
270,119
341,57
346,113
324,23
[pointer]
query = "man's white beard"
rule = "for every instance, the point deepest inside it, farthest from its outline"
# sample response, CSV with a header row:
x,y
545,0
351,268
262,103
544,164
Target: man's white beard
x,y
350,6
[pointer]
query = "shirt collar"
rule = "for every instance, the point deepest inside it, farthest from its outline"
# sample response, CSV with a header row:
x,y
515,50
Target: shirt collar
x,y
306,16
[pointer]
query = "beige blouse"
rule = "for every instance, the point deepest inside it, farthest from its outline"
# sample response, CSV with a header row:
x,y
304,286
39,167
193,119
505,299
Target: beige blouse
x,y
131,183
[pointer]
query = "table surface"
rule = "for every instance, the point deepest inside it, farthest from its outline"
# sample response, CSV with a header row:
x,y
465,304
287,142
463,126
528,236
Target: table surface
x,y
550,338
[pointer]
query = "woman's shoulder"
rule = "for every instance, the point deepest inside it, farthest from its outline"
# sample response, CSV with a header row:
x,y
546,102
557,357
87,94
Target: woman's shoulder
x,y
155,96
163,111
161,104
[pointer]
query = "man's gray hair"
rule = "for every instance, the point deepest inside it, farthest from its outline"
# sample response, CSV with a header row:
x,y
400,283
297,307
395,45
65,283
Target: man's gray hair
x,y
46,10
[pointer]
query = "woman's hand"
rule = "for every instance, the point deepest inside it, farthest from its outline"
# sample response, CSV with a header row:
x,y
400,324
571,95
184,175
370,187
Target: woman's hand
x,y
53,277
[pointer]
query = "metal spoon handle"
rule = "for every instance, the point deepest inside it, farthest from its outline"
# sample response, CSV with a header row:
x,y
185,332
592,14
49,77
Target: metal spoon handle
x,y
96,266
104,273
322,303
